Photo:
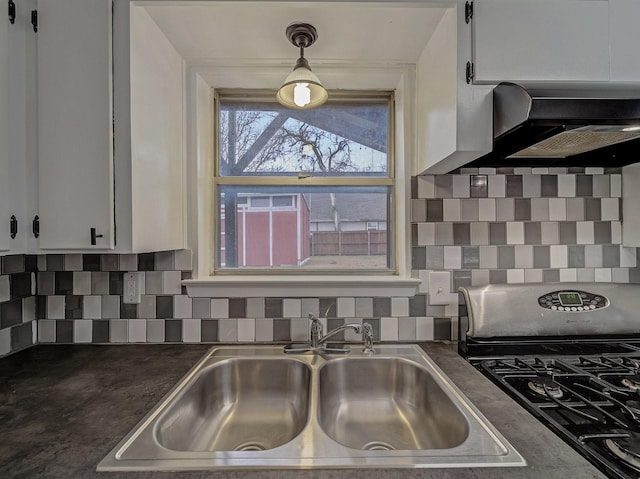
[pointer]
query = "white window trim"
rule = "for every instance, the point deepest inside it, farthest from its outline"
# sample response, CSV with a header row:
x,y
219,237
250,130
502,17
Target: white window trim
x,y
200,81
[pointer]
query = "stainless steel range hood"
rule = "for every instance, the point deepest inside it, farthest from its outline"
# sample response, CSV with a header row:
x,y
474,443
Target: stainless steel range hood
x,y
548,128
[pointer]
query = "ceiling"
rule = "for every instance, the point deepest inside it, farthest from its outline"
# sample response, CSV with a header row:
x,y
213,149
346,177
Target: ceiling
x,y
379,32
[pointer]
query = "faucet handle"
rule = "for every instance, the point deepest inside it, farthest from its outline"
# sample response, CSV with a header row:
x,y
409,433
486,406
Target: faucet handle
x,y
367,338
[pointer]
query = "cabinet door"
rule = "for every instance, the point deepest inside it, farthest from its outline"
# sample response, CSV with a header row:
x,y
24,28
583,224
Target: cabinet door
x,y
542,40
625,38
75,124
5,213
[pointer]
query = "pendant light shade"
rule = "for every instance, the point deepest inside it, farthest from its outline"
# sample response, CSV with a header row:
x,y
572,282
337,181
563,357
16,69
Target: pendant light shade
x,y
302,90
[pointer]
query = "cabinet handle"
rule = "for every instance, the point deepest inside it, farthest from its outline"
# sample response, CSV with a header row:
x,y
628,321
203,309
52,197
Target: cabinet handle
x,y
94,236
14,226
35,226
12,12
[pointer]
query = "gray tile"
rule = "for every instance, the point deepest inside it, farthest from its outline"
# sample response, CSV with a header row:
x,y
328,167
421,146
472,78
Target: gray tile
x,y
273,307
164,261
461,234
601,186
575,256
610,256
45,283
602,232
531,186
434,257
541,257
575,209
110,307
21,336
110,262
634,275
550,232
480,233
100,331
147,307
407,329
568,233
418,210
593,256
444,233
12,264
497,233
418,305
549,185
153,282
461,278
532,233
381,307
64,331
237,307
469,210
441,329
281,330
479,186
586,275
209,332
584,185
99,282
497,276
592,209
55,262
514,186
418,257
470,260
164,307
201,308
173,330
444,186
540,209
506,257
505,209
522,209
364,307
434,210
551,276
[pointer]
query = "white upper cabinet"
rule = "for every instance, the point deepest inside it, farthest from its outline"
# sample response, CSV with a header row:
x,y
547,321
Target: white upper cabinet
x,y
543,40
5,210
625,39
75,129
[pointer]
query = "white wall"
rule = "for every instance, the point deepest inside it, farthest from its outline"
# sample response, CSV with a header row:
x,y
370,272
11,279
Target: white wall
x,y
157,127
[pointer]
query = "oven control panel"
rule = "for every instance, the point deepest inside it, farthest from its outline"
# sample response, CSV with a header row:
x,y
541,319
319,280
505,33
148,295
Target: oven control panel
x,y
573,301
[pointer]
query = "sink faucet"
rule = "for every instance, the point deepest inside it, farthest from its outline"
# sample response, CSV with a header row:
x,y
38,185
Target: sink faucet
x,y
318,340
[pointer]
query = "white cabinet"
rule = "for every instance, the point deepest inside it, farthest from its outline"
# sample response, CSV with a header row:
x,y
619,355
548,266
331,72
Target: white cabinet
x,y
625,38
630,202
5,210
75,124
542,40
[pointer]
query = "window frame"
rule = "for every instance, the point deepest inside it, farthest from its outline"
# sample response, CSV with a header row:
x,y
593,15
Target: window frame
x,y
389,181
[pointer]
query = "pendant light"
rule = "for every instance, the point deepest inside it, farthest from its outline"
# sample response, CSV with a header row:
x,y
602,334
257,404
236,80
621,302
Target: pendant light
x,y
302,89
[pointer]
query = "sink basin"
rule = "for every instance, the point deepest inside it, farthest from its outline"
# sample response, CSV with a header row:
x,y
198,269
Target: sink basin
x,y
238,405
255,407
385,404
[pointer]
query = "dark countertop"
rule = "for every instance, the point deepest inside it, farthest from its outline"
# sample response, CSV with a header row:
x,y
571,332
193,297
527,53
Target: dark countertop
x,y
64,407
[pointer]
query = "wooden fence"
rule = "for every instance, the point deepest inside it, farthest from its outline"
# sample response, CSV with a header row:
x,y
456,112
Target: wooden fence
x,y
348,243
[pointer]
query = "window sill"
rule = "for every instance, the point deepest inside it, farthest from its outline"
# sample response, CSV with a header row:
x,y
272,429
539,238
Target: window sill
x,y
300,286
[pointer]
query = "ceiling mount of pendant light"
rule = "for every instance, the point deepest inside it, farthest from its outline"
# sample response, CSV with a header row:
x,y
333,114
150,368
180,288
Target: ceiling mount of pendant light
x,y
302,89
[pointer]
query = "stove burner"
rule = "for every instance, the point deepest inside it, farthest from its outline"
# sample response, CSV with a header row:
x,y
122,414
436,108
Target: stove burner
x,y
545,387
625,448
632,382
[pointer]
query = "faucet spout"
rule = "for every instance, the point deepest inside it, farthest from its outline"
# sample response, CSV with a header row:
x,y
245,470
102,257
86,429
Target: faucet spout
x,y
357,327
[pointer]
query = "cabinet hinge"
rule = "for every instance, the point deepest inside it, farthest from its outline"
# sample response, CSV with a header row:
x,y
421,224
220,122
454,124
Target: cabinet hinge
x,y
35,226
469,72
14,226
34,20
12,12
468,11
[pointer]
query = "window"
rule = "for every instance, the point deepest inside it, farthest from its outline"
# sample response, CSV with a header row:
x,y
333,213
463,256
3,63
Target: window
x,y
305,186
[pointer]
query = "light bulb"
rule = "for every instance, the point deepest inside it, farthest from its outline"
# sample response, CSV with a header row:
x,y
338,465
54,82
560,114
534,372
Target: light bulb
x,y
301,94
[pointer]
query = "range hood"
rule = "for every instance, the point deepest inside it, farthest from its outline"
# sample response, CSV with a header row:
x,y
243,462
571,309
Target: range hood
x,y
551,128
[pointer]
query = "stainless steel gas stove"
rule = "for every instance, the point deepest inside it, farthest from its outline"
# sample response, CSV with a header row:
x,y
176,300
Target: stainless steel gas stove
x,y
570,354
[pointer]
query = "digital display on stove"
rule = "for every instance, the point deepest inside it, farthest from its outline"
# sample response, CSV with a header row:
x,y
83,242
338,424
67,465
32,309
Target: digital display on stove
x,y
570,299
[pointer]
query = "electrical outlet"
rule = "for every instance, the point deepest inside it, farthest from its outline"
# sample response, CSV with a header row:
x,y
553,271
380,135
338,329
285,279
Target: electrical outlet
x,y
133,287
439,287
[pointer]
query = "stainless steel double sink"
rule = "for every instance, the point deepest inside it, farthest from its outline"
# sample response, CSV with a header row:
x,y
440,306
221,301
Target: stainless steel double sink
x,y
255,407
